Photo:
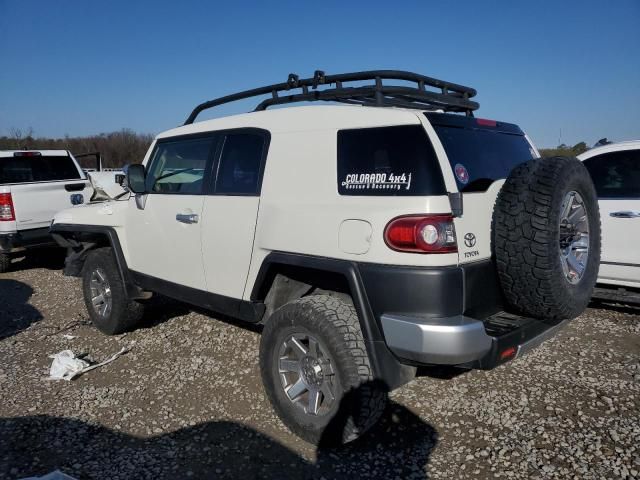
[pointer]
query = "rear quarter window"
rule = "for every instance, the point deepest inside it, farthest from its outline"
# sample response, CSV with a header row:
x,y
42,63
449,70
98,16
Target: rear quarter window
x,y
388,161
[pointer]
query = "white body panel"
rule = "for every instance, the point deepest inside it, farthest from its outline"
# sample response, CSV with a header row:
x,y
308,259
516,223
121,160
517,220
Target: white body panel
x,y
106,181
620,257
161,246
36,203
228,228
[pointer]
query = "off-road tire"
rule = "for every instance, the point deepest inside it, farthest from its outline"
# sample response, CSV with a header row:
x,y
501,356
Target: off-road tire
x,y
125,314
360,401
5,262
526,236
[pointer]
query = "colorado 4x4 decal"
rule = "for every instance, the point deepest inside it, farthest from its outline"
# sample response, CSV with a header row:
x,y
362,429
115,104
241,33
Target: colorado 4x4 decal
x,y
377,181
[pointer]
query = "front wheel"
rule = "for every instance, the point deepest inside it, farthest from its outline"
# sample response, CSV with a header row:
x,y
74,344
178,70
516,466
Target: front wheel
x,y
317,373
105,296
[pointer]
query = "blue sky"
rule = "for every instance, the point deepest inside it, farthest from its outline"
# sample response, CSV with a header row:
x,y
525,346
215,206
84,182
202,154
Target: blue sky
x,y
73,67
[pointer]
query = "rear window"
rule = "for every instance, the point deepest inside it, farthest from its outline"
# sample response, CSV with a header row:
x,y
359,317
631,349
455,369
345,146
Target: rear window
x,y
480,152
388,161
37,168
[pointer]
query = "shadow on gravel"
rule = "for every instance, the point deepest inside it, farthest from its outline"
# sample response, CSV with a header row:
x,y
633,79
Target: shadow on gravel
x,y
15,313
441,372
160,309
615,307
51,258
398,447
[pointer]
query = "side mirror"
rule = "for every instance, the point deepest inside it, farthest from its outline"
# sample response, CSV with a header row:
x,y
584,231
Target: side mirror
x,y
136,178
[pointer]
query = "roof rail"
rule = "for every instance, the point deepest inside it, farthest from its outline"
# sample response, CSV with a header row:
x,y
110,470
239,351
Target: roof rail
x,y
449,97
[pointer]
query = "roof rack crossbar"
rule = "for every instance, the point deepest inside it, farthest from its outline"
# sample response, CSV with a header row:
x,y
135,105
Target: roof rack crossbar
x,y
449,97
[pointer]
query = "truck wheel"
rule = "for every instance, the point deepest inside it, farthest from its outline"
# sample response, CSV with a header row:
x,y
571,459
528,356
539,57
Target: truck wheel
x,y
546,238
109,308
5,262
317,373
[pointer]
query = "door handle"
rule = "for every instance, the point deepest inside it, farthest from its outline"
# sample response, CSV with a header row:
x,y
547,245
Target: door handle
x,y
74,187
625,214
187,217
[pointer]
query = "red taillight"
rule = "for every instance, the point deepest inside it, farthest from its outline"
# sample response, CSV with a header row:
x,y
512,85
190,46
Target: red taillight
x,y
508,353
7,213
422,234
486,123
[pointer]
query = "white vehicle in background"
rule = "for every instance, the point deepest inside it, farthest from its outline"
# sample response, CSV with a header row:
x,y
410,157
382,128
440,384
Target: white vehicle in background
x,y
615,170
34,186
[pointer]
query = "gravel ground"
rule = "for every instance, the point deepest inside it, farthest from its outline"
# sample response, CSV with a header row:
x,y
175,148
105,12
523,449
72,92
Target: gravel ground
x,y
187,402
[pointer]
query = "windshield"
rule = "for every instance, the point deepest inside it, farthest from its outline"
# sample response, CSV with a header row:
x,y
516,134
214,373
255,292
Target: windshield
x,y
480,151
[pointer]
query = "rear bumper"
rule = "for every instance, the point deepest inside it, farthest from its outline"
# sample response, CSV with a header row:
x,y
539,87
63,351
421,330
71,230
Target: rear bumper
x,y
22,239
465,341
448,315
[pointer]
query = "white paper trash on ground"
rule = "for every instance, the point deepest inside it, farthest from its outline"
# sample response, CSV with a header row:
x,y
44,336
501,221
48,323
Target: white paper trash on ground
x,y
57,475
66,366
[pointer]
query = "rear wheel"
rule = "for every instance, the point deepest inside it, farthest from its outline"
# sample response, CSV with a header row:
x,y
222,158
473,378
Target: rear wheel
x,y
317,373
110,309
546,238
5,262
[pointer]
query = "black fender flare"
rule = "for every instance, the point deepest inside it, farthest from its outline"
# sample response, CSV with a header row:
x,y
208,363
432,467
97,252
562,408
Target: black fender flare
x,y
386,366
74,236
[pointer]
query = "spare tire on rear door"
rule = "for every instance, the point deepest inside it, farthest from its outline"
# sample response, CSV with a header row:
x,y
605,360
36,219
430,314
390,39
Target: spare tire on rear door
x,y
546,238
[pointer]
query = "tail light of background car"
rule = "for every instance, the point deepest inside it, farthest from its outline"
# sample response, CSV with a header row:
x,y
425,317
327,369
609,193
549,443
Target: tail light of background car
x,y
422,234
7,213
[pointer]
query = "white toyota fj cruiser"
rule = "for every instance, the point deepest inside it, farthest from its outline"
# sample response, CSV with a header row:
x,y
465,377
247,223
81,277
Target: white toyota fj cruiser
x,y
368,239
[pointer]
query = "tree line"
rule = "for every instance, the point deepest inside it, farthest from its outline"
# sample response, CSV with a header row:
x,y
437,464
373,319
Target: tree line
x,y
117,148
126,146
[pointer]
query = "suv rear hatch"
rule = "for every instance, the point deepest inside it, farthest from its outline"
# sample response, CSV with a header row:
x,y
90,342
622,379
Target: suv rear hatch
x,y
481,153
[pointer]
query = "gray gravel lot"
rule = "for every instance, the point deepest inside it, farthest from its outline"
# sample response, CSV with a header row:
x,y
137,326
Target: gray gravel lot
x,y
187,402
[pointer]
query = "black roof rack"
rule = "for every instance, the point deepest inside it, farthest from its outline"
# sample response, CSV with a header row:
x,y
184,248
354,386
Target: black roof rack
x,y
449,97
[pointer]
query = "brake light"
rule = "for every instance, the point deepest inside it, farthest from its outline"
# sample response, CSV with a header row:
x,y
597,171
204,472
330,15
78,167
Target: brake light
x,y
486,123
508,353
7,214
26,154
422,234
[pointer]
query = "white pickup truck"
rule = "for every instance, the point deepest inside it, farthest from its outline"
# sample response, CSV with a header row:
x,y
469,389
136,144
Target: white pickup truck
x,y
34,186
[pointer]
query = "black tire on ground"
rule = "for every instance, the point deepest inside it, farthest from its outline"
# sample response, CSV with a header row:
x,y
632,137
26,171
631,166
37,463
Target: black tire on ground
x,y
527,236
124,314
359,400
5,262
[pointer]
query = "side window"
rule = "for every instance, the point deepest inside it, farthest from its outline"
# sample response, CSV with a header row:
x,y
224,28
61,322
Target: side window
x,y
616,174
240,166
178,166
389,161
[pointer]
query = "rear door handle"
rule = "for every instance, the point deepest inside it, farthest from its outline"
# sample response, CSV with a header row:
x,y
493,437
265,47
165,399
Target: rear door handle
x,y
187,217
625,214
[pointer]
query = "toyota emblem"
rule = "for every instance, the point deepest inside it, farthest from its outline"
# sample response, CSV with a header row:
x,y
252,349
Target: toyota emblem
x,y
469,240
